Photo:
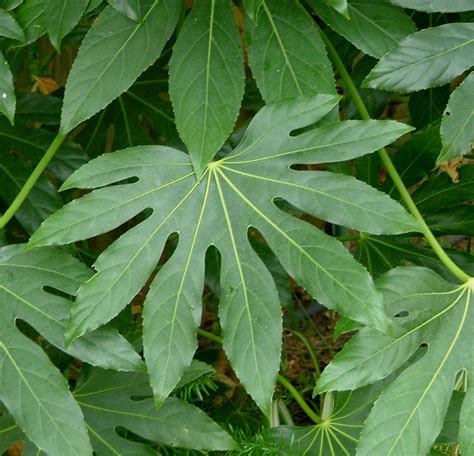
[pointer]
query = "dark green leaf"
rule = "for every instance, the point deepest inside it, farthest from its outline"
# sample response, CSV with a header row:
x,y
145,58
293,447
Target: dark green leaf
x,y
457,125
30,16
375,26
207,79
9,5
7,91
60,18
434,6
431,57
284,37
41,201
427,106
338,434
455,220
235,193
466,432
441,191
9,27
113,54
38,108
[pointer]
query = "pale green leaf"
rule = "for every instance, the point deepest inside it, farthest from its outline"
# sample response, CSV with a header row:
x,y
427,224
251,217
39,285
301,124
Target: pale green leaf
x,y
61,17
457,124
436,6
410,413
234,194
23,277
374,26
431,57
339,5
286,53
111,400
37,395
7,91
114,53
130,8
9,27
108,401
207,79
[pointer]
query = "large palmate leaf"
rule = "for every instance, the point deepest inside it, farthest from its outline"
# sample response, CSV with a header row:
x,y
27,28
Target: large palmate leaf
x,y
282,38
374,26
207,79
457,125
114,53
33,390
410,412
111,400
426,59
338,434
235,193
433,6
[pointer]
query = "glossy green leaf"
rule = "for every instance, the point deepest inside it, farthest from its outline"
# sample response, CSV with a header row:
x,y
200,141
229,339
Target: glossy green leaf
x,y
457,125
436,6
375,26
283,37
431,57
113,54
30,16
9,27
7,91
207,79
235,193
130,8
338,434
426,310
339,5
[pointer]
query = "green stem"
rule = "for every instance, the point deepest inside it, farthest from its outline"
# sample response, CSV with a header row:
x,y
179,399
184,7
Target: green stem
x,y
30,183
280,379
364,113
310,349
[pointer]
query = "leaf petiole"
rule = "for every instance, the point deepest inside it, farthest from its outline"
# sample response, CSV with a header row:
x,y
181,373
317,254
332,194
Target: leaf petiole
x,y
30,183
389,166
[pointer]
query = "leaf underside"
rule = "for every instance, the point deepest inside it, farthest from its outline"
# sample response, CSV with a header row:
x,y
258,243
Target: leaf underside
x,y
234,194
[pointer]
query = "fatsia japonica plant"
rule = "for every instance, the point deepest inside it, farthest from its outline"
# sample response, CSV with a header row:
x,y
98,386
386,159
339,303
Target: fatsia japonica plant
x,y
189,172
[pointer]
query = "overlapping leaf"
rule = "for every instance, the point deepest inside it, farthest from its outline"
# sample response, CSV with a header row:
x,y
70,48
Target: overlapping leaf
x,y
427,310
457,125
33,390
431,57
113,54
111,400
62,17
283,36
9,27
30,15
434,6
339,432
374,26
207,79
235,194
7,91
